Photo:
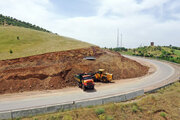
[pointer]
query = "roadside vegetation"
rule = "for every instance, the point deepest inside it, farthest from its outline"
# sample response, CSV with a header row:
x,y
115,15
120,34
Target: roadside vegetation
x,y
169,53
161,105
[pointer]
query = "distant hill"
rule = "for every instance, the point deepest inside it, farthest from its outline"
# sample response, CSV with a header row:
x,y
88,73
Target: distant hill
x,y
6,20
18,42
169,53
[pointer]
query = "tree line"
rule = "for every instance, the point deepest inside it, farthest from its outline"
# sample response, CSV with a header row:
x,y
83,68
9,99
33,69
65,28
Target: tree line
x,y
6,20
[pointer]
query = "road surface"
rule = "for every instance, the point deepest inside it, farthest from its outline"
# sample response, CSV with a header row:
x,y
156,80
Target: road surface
x,y
165,73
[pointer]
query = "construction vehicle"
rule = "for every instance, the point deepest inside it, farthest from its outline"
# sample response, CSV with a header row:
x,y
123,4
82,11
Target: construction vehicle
x,y
102,76
85,81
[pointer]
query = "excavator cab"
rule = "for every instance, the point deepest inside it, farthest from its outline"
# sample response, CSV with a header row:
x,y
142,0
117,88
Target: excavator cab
x,y
103,77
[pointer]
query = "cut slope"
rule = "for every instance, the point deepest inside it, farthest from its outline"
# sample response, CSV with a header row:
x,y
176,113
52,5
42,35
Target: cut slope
x,y
56,70
27,42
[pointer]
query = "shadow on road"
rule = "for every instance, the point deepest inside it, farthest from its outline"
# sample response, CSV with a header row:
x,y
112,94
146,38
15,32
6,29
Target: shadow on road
x,y
90,90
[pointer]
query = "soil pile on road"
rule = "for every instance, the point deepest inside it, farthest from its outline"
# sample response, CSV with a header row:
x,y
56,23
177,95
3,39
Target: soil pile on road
x,y
56,70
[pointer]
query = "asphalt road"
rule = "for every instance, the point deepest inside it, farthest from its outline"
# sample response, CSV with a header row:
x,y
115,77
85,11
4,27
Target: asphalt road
x,y
165,73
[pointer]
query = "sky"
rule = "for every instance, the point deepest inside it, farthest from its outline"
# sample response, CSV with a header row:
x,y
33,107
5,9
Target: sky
x,y
96,21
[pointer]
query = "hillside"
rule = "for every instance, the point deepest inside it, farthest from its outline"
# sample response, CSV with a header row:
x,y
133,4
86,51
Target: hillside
x,y
38,60
18,42
6,20
169,53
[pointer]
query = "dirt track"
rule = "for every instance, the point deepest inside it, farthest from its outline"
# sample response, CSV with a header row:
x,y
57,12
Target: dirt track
x,y
56,70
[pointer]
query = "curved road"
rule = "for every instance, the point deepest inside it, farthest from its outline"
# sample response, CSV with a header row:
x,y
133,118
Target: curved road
x,y
165,73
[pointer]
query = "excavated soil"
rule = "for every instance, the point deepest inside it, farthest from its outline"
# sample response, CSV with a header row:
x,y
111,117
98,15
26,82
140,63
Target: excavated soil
x,y
56,70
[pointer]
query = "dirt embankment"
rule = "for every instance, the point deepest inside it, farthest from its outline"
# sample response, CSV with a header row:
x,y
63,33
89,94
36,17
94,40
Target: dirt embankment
x,y
56,70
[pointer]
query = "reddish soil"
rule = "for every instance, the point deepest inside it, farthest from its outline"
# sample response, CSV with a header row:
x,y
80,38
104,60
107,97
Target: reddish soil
x,y
56,70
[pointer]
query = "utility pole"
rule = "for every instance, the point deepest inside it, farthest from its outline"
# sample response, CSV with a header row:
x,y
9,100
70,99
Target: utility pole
x,y
117,37
121,41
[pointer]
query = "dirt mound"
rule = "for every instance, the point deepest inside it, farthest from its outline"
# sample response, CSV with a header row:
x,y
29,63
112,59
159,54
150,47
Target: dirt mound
x,y
56,70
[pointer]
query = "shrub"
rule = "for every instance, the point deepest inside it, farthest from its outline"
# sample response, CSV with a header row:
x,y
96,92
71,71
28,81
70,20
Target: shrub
x,y
146,55
133,54
102,117
90,106
163,114
105,117
151,55
10,51
134,108
99,111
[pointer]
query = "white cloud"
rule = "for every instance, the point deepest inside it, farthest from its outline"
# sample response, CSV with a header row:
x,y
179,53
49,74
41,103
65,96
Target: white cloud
x,y
33,11
137,27
122,7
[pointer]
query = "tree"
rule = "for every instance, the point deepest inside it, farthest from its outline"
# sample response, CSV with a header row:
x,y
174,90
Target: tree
x,y
10,51
17,37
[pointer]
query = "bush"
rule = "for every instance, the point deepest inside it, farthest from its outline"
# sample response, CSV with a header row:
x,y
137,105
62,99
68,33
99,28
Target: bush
x,y
90,106
100,111
163,114
146,55
105,117
102,117
141,54
151,55
10,51
134,108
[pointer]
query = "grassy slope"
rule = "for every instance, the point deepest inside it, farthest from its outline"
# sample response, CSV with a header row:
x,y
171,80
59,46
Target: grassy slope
x,y
164,104
33,42
177,52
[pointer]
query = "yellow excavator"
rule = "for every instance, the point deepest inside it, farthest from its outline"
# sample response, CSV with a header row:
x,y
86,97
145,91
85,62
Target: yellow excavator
x,y
102,76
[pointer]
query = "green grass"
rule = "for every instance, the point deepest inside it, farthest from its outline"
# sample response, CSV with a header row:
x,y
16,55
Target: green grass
x,y
164,104
160,52
127,52
177,52
99,111
33,42
163,114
